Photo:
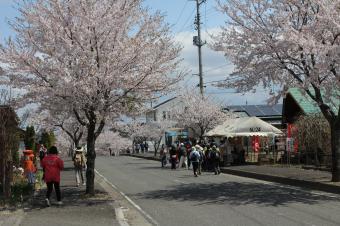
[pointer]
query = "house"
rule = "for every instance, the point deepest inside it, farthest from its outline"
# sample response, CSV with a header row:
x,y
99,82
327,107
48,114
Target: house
x,y
296,103
162,112
271,114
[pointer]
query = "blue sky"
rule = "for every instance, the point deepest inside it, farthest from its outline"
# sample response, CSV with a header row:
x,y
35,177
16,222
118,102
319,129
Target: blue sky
x,y
180,15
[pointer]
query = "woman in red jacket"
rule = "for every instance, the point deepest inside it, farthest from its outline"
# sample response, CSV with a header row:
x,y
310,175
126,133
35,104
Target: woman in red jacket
x,y
52,165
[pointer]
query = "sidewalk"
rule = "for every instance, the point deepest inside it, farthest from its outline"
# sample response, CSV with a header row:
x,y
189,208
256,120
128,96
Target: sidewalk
x,y
77,209
290,175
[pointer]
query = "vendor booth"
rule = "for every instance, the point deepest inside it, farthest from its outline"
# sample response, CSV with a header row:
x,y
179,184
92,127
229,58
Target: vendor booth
x,y
248,138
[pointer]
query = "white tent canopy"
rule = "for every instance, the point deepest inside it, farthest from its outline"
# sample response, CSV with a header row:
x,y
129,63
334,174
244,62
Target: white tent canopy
x,y
251,126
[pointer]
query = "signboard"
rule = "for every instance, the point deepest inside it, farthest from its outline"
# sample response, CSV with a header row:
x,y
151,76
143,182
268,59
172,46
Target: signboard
x,y
255,129
290,144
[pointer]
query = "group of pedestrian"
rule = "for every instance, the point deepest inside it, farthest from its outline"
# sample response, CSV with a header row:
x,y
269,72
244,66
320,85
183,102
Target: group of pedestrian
x,y
202,157
52,165
141,147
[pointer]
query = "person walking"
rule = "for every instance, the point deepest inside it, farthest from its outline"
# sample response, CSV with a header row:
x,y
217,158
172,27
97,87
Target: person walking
x,y
182,153
42,152
173,156
215,157
194,158
188,148
201,159
142,147
163,156
52,165
79,163
29,167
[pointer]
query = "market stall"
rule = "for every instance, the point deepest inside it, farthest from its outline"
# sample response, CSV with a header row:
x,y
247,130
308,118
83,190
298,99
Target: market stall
x,y
250,135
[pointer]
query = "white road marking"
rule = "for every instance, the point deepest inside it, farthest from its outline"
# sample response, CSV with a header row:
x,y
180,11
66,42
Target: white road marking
x,y
153,221
120,217
181,182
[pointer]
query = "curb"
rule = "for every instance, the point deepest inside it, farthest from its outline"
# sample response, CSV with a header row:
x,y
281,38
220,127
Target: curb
x,y
283,180
142,218
271,178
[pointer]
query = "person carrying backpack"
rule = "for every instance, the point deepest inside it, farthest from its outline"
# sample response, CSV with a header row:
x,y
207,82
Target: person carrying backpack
x,y
201,159
79,164
195,158
182,157
215,157
42,152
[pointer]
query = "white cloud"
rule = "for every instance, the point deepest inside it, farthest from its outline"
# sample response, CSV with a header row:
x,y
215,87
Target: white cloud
x,y
215,67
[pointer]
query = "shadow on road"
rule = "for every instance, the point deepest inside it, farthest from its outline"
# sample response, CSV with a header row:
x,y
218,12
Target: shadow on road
x,y
235,193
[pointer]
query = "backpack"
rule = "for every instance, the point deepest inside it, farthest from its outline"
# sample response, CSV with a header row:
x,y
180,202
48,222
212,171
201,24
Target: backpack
x,y
195,156
215,155
41,154
78,160
201,155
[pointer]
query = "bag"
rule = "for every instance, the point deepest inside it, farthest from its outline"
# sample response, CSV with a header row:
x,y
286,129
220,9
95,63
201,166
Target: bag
x,y
195,156
215,155
201,156
41,154
78,160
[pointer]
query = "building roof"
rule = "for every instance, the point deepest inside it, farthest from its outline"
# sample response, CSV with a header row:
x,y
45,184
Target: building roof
x,y
164,102
257,110
308,105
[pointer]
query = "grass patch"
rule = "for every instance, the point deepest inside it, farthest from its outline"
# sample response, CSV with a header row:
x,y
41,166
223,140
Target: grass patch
x,y
21,191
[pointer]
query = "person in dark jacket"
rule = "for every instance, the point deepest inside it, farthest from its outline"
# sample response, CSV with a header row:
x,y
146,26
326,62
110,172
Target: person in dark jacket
x,y
215,157
173,156
52,165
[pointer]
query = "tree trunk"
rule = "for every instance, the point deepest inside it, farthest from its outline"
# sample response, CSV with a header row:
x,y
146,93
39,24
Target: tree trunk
x,y
156,145
91,156
8,179
335,136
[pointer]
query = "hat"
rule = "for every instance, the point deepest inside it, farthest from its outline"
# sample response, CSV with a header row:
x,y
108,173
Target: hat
x,y
79,149
182,144
198,147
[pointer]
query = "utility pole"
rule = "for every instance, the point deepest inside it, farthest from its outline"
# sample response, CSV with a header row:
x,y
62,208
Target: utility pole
x,y
198,42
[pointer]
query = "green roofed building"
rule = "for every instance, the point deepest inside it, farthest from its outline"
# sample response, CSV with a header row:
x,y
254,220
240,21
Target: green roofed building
x,y
298,103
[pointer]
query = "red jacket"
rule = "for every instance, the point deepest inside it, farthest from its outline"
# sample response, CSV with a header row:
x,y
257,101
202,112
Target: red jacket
x,y
52,165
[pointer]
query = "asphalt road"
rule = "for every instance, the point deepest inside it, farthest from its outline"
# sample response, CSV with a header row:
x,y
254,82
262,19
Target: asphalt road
x,y
176,198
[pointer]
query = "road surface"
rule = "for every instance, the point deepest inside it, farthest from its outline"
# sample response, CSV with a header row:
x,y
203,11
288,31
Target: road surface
x,y
176,198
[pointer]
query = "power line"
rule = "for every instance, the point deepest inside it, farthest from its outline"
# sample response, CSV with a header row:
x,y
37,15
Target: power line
x,y
181,13
218,67
188,19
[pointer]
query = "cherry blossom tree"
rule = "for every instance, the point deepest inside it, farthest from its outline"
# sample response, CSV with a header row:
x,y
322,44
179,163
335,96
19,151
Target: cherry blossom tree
x,y
155,131
99,58
283,44
198,113
109,139
58,117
